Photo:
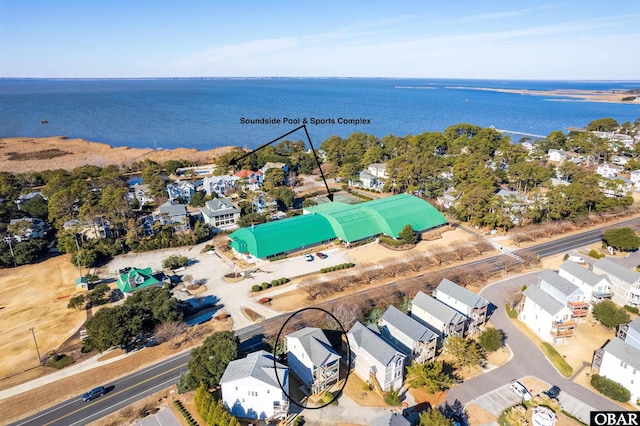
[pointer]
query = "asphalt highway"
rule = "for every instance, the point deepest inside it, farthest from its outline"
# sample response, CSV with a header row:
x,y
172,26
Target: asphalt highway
x,y
125,391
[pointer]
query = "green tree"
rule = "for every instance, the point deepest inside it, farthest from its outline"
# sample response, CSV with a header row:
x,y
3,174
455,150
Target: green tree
x,y
35,207
408,235
174,261
429,375
465,352
603,125
198,199
283,195
273,178
98,296
111,327
491,339
609,314
433,417
624,239
251,219
209,361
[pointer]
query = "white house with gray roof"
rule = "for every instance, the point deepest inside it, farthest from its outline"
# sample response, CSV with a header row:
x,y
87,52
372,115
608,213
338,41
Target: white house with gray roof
x,y
564,292
462,300
175,214
413,339
220,213
374,360
625,283
630,333
595,287
619,361
312,358
437,316
250,388
545,316
218,184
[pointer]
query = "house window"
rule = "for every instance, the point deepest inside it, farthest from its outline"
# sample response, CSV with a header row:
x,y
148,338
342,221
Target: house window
x,y
236,388
397,374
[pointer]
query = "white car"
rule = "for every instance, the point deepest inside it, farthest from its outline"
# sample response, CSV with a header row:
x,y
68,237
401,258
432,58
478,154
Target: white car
x,y
308,257
520,390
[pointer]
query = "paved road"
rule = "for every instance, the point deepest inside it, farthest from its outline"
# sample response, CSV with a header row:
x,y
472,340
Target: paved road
x,y
528,360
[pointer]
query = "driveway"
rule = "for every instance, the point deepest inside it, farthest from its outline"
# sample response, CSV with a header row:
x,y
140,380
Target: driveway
x,y
528,359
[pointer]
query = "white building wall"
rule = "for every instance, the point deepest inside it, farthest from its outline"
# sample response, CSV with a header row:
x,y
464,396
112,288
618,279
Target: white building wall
x,y
252,398
618,371
299,361
633,338
454,303
426,318
365,363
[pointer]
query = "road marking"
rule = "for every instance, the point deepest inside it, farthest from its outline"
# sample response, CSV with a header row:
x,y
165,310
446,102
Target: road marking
x,y
114,394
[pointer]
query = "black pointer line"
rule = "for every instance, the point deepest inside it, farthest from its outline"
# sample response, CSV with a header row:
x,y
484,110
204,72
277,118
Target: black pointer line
x,y
235,161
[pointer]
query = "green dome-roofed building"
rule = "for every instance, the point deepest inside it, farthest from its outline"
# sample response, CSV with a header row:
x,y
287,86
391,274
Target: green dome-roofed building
x,y
348,222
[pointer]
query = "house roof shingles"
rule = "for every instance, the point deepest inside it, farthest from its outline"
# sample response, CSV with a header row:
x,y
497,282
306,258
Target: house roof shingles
x,y
258,365
373,343
407,325
443,312
624,352
556,281
583,274
610,267
316,344
461,294
542,299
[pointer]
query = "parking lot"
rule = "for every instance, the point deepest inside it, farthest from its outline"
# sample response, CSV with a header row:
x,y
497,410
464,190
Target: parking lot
x,y
211,268
502,398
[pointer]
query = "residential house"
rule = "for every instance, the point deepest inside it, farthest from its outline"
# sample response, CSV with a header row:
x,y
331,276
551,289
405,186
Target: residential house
x,y
375,361
250,180
218,184
274,165
527,145
595,287
366,180
135,279
464,301
23,198
256,387
98,228
608,170
634,177
378,170
545,316
619,160
413,339
27,228
619,361
390,419
141,193
630,333
181,190
615,187
564,292
174,214
557,155
437,316
448,199
220,213
312,359
625,283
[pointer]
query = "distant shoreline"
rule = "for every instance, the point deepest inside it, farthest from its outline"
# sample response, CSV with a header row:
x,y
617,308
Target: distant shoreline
x,y
613,96
24,155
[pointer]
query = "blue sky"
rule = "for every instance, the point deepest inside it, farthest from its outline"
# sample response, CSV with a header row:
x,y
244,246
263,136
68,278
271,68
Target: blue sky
x,y
574,39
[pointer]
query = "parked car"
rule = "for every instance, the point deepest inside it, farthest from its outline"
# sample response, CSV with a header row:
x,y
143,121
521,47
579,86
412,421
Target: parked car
x,y
308,257
519,389
552,392
321,255
93,394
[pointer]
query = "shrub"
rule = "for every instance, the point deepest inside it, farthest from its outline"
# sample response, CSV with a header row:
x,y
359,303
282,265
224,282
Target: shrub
x,y
608,387
631,309
393,397
595,254
337,267
566,256
511,313
556,359
265,286
299,421
273,283
256,287
60,361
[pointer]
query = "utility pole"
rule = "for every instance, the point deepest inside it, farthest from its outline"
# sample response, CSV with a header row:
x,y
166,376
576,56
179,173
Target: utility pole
x,y
8,239
36,342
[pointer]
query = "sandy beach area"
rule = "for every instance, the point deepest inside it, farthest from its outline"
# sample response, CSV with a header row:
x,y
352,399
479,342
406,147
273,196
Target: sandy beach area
x,y
22,154
613,96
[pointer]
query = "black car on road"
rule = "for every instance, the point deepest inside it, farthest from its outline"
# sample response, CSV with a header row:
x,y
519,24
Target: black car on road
x,y
93,394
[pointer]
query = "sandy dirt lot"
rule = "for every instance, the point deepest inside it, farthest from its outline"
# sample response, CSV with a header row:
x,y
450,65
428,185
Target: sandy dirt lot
x,y
21,155
36,296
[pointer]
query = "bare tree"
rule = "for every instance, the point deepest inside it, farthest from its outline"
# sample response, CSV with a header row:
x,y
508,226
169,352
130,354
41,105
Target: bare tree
x,y
529,258
480,245
347,314
395,267
508,263
461,250
170,331
512,298
370,273
440,254
417,262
